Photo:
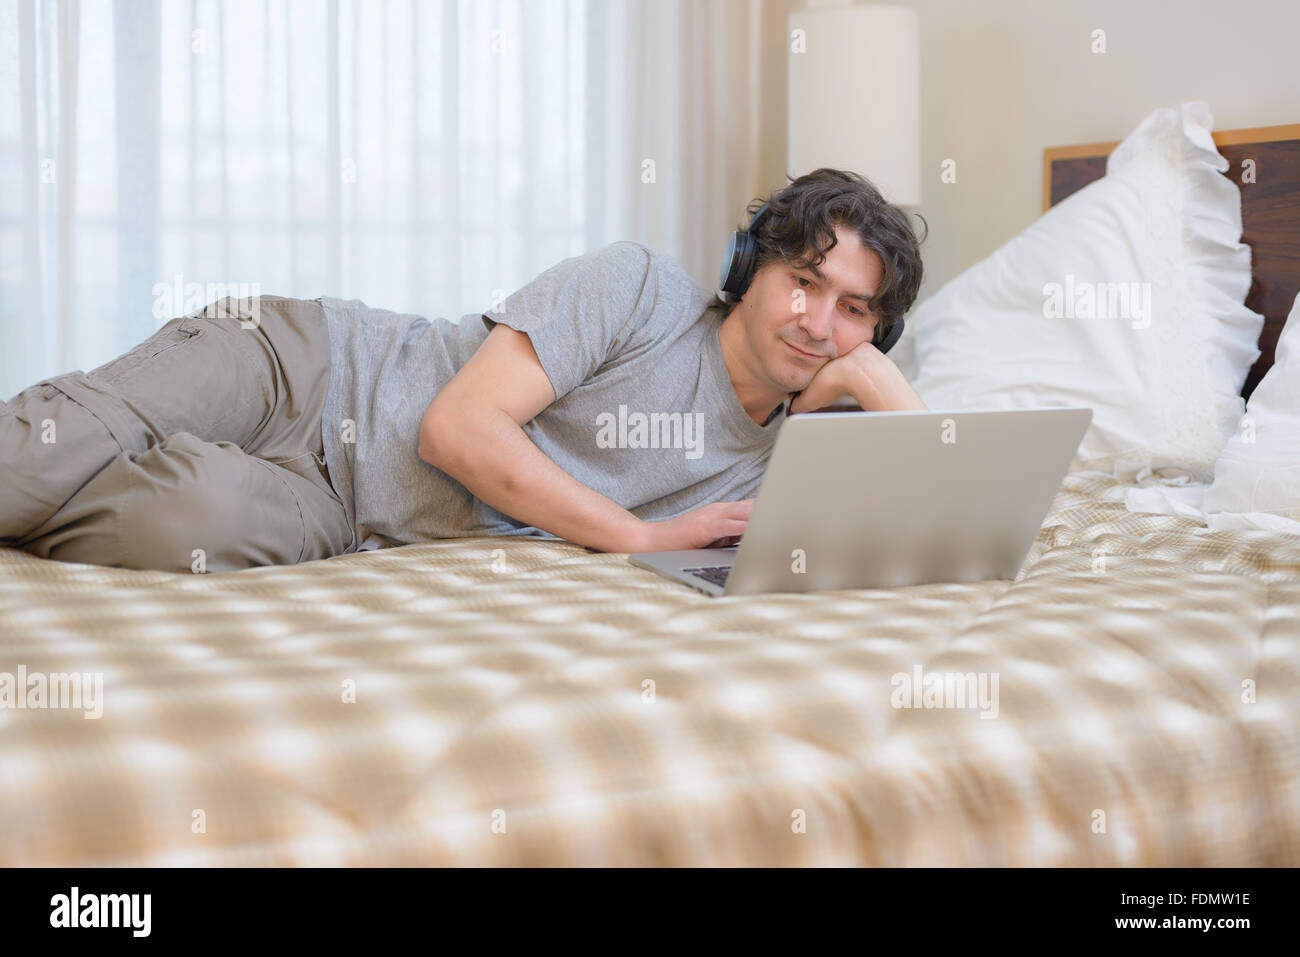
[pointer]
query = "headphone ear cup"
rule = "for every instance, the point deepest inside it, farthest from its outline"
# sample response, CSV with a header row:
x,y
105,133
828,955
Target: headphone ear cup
x,y
736,264
892,336
730,279
740,257
746,252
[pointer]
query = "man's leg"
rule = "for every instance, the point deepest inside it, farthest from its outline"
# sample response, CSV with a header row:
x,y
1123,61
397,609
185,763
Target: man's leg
x,y
257,384
192,375
50,446
186,505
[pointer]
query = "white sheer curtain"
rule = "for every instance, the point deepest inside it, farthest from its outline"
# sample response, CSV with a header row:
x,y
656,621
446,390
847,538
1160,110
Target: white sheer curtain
x,y
421,155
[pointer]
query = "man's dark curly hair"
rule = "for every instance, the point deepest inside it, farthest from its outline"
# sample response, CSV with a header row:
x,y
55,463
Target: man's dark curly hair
x,y
800,227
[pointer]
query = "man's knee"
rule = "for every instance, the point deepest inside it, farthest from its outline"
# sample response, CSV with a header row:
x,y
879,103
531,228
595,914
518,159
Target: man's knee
x,y
185,506
50,446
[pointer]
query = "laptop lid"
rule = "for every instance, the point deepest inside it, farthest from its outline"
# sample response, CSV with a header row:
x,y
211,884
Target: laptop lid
x,y
889,499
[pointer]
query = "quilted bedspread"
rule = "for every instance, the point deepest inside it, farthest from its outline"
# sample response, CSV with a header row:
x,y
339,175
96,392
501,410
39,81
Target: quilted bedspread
x,y
529,702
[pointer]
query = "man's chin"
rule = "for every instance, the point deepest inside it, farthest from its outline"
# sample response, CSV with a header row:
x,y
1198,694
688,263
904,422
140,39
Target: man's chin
x,y
804,373
792,387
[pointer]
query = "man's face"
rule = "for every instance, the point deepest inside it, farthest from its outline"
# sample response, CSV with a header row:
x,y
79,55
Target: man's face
x,y
796,321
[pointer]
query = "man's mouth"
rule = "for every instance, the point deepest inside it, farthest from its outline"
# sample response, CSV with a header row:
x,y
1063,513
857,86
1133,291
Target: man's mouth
x,y
799,352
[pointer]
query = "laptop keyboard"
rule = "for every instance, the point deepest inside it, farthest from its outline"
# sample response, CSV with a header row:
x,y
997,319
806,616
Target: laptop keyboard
x,y
714,574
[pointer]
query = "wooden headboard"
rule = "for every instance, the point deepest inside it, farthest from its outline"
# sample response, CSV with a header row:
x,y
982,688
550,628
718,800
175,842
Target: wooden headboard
x,y
1270,214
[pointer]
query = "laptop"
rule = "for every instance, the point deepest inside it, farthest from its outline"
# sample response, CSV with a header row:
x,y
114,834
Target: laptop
x,y
890,499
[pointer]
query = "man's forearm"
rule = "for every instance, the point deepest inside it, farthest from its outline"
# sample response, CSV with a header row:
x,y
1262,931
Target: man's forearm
x,y
886,394
493,457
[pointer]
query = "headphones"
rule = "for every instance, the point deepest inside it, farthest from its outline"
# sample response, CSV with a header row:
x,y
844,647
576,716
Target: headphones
x,y
741,257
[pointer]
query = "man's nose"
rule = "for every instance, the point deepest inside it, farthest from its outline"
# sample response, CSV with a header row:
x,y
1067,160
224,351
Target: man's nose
x,y
818,320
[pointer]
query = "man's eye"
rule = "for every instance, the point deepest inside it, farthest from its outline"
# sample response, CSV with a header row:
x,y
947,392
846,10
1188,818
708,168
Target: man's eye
x,y
857,313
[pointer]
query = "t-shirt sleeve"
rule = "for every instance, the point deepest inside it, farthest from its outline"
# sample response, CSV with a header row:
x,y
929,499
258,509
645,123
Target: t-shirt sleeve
x,y
579,312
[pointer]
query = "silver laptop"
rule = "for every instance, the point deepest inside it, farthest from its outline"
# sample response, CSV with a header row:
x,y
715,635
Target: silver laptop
x,y
888,499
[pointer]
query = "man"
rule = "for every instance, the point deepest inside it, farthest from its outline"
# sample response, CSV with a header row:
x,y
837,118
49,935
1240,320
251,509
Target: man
x,y
608,402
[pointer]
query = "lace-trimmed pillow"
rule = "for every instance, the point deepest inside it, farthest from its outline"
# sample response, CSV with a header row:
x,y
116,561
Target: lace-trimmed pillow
x,y
1257,477
1127,297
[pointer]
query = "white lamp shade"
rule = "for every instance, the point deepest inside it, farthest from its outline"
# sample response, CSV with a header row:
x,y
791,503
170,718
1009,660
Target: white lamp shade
x,y
855,96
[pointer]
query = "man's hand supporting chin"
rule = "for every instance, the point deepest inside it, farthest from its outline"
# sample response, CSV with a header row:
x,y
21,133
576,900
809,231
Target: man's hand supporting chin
x,y
865,373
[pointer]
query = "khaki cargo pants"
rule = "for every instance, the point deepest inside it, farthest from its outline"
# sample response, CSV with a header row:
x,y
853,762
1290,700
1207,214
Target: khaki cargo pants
x,y
199,450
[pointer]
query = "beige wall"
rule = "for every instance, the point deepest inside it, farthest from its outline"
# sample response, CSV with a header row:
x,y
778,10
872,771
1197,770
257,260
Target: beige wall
x,y
1002,79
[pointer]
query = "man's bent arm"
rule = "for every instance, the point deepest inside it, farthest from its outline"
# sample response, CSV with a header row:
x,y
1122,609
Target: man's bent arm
x,y
473,431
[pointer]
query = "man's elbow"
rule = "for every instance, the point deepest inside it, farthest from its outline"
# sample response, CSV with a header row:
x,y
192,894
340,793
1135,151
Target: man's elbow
x,y
452,440
436,439
426,449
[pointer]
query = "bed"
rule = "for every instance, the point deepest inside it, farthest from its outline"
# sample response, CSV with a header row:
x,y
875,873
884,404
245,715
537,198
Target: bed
x,y
529,702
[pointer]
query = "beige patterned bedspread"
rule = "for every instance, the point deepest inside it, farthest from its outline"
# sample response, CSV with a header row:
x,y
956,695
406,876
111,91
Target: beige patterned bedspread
x,y
451,704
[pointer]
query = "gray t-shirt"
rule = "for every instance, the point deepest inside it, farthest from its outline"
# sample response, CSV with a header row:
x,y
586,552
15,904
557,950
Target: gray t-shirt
x,y
645,412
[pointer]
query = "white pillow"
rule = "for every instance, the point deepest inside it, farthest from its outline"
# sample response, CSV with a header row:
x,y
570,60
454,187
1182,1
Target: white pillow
x,y
1164,383
1257,478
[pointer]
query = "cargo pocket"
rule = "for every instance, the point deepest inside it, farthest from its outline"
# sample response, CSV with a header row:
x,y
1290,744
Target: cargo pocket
x,y
116,370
